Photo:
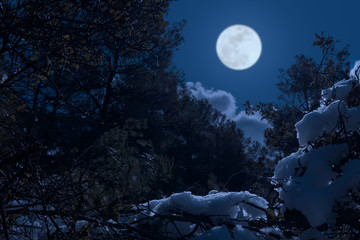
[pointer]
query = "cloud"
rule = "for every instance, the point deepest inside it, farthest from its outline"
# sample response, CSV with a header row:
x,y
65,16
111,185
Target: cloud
x,y
219,99
252,126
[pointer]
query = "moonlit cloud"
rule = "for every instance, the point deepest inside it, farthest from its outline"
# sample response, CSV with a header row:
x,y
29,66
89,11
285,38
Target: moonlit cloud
x,y
219,99
252,126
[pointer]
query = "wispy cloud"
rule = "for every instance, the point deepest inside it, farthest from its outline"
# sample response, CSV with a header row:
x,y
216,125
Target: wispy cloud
x,y
252,126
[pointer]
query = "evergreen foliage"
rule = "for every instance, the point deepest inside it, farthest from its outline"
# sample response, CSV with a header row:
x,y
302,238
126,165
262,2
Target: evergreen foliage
x,y
300,91
95,118
95,122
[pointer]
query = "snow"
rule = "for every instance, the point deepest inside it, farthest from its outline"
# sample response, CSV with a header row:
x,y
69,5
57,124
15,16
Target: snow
x,y
307,189
219,206
307,177
3,78
325,120
224,204
285,169
354,72
253,126
314,186
222,233
339,91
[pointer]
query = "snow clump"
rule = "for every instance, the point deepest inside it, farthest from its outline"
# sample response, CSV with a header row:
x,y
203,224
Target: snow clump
x,y
315,177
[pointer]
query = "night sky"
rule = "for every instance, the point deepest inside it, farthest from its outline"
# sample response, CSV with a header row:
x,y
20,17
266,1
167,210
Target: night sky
x,y
286,28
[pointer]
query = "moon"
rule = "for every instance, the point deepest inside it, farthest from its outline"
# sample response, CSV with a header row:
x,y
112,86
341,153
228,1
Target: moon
x,y
238,47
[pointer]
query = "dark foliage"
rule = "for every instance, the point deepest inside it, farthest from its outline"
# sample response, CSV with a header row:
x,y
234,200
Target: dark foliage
x,y
300,92
94,117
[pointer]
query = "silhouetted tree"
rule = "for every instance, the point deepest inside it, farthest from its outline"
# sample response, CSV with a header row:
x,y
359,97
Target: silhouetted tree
x,y
71,71
300,91
94,118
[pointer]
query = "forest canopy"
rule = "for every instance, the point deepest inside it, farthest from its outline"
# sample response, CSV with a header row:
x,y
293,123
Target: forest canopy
x,y
100,137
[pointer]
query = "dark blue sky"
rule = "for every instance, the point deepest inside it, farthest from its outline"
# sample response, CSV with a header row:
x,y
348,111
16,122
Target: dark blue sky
x,y
286,28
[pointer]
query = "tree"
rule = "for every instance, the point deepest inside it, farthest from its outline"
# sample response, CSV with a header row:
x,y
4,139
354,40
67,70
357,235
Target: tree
x,y
329,138
70,71
66,60
208,148
300,91
302,82
95,118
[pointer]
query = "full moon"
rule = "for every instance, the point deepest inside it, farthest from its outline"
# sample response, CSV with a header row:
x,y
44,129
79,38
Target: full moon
x,y
238,47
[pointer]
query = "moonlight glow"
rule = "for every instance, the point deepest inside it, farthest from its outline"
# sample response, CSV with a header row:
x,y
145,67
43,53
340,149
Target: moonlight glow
x,y
238,47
